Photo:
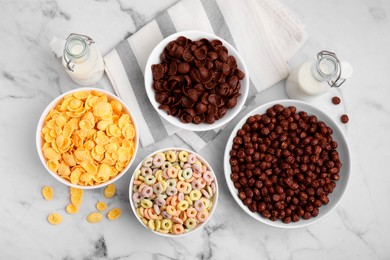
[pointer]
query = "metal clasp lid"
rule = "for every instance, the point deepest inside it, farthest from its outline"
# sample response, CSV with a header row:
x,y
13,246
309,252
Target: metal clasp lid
x,y
69,63
335,80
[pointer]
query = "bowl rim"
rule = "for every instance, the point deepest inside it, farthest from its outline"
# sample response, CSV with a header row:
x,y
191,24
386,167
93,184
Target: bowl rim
x,y
216,195
347,164
148,80
39,140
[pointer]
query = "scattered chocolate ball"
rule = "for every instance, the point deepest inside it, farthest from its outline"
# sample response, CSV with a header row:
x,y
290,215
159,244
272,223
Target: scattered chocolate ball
x,y
336,100
344,119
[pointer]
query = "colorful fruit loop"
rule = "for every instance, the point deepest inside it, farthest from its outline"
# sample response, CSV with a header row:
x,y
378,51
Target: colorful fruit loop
x,y
87,138
173,192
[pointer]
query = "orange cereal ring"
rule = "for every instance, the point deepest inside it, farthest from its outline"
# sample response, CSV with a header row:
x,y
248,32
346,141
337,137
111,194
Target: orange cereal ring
x,y
168,201
171,210
146,214
191,212
191,179
141,211
137,182
172,172
202,216
181,186
142,186
174,201
196,174
152,214
177,220
183,215
202,182
178,229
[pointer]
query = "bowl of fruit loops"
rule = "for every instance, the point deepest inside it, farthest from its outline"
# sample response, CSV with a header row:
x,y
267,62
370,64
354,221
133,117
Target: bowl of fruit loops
x,y
173,192
87,138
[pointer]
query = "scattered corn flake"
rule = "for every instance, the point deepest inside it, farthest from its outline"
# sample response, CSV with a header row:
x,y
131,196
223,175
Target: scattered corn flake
x,y
114,213
47,193
109,191
101,205
94,217
54,218
72,209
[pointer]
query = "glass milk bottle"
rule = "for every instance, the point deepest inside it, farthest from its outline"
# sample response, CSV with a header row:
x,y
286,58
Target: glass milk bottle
x,y
80,58
315,77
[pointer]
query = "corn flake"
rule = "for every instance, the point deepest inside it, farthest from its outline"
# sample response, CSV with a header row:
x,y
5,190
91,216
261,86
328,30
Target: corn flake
x,y
101,205
72,209
114,213
47,193
54,218
109,191
95,217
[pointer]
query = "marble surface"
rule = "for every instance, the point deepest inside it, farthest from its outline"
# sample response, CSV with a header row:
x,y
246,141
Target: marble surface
x,y
358,31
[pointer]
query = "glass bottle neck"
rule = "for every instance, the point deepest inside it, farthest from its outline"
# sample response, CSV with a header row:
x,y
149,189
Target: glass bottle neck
x,y
325,68
77,49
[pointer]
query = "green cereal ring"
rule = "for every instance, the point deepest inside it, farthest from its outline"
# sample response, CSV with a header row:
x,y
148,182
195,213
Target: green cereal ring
x,y
187,173
190,223
147,204
150,179
166,224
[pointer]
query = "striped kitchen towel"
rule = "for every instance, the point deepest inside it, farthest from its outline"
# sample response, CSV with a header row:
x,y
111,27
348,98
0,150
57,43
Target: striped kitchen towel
x,y
265,32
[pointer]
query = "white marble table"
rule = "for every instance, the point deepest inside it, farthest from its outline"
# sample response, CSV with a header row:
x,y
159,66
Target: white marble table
x,y
359,31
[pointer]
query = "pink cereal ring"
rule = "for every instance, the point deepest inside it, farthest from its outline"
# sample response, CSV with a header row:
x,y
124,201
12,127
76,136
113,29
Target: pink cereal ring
x,y
141,187
160,202
156,209
213,187
165,214
191,158
186,165
136,197
147,192
172,172
199,205
158,160
196,185
209,182
205,193
202,183
208,176
177,220
196,168
180,196
164,174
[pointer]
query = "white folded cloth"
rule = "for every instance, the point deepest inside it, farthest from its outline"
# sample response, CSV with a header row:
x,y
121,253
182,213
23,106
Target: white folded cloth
x,y
265,32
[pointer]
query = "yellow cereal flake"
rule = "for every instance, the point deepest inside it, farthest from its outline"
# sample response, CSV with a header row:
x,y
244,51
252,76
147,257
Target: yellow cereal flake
x,y
101,205
114,213
76,196
109,191
54,218
87,138
47,193
95,217
72,209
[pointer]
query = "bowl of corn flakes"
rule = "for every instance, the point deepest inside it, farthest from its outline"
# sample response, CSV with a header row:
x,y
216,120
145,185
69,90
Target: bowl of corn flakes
x,y
173,192
87,138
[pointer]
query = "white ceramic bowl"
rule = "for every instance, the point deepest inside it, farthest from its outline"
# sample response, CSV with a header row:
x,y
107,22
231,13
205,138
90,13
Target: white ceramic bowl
x,y
154,58
343,150
39,141
214,199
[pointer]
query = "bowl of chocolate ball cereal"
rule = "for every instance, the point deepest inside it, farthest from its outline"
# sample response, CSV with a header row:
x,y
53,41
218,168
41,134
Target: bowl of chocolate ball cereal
x,y
196,80
287,164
